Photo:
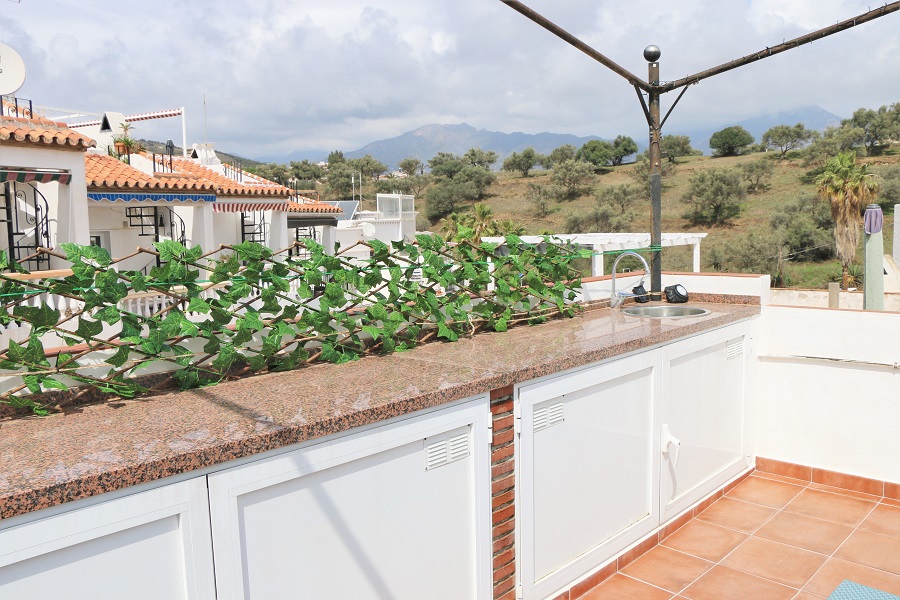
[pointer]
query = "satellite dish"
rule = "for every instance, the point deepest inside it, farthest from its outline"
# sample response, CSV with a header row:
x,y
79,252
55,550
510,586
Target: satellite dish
x,y
368,230
12,70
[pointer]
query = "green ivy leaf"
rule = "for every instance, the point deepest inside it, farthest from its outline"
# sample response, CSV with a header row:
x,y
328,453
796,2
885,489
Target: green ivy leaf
x,y
183,356
153,344
187,378
227,355
110,315
169,250
446,333
33,383
88,329
121,355
53,384
41,317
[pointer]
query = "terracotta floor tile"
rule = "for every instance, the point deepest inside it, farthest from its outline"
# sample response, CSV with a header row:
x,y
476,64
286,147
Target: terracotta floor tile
x,y
884,519
873,550
807,596
835,571
620,587
777,562
722,583
704,540
735,514
774,494
830,507
805,532
667,568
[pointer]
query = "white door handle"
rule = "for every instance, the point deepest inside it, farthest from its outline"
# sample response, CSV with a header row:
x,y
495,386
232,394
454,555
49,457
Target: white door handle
x,y
666,440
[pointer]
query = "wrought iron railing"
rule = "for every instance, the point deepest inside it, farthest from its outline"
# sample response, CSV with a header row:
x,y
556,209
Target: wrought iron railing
x,y
11,106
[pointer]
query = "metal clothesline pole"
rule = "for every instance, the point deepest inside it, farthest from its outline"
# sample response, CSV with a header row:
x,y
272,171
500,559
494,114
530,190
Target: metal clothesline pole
x,y
654,89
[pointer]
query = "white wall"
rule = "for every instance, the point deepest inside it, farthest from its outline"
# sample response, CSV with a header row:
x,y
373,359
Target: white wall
x,y
227,228
705,283
896,245
839,408
819,299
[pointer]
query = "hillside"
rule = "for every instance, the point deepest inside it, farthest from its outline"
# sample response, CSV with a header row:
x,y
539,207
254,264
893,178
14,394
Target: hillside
x,y
813,117
425,142
507,199
225,157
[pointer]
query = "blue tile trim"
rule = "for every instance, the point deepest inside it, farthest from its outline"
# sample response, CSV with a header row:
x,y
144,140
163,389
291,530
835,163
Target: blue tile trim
x,y
144,197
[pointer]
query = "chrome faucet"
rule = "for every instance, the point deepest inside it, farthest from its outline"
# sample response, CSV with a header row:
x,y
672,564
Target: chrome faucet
x,y
615,300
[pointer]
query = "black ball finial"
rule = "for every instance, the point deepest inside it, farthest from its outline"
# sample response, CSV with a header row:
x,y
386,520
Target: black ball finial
x,y
652,53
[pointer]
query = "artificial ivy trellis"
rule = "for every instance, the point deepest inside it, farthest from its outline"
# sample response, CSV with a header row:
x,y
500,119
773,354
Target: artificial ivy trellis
x,y
245,308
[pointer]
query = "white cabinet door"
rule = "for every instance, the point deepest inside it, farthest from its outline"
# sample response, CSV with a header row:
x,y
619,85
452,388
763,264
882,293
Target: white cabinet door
x,y
149,545
702,416
400,511
587,469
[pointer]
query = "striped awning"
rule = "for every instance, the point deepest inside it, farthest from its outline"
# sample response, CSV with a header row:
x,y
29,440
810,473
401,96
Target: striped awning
x,y
29,175
223,207
150,197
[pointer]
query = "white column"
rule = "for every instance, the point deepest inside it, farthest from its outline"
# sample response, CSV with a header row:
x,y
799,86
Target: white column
x,y
72,223
596,261
697,256
328,238
278,233
200,231
896,249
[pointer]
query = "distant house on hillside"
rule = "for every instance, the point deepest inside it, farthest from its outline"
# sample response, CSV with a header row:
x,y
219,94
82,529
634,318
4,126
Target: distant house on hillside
x,y
59,185
42,178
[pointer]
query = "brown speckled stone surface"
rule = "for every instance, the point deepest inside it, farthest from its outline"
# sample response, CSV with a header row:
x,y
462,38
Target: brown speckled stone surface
x,y
100,448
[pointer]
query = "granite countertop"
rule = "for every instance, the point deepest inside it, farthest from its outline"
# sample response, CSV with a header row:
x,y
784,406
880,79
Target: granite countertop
x,y
100,448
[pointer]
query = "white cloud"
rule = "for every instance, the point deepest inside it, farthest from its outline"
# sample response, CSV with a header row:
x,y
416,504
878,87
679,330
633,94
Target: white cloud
x,y
281,76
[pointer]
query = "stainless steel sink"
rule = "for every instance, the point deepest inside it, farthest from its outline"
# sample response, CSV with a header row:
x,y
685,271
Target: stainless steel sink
x,y
665,311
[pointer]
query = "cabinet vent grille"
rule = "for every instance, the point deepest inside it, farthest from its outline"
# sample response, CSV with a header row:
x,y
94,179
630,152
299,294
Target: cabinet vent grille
x,y
734,348
548,416
447,450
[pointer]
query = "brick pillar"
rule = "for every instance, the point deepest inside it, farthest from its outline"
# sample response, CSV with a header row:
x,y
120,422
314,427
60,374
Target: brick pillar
x,y
503,494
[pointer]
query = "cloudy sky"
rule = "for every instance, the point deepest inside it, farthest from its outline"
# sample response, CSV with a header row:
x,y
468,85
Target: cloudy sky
x,y
282,76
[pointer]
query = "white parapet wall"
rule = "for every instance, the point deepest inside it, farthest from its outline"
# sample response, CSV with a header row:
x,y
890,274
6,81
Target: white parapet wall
x,y
819,299
827,389
731,284
896,246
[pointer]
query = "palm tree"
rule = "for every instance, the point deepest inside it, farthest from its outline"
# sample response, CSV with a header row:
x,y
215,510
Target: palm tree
x,y
848,188
450,224
482,222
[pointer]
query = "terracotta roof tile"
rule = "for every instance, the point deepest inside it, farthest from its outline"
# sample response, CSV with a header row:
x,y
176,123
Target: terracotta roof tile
x,y
107,173
251,185
42,132
307,205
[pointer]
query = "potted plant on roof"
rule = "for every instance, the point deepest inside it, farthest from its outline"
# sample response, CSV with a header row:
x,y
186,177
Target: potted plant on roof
x,y
124,143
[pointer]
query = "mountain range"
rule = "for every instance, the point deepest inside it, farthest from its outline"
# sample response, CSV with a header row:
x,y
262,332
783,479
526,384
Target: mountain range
x,y
813,117
426,141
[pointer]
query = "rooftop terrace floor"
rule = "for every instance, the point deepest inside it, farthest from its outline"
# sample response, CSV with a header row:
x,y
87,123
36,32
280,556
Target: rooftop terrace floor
x,y
769,537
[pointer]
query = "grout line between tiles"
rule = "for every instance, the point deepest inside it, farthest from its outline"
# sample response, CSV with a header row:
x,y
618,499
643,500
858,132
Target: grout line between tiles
x,y
750,535
832,555
638,580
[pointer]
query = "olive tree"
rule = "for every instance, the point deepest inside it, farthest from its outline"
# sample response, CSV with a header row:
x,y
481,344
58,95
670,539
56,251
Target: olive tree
x,y
675,146
714,197
522,162
730,141
786,137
